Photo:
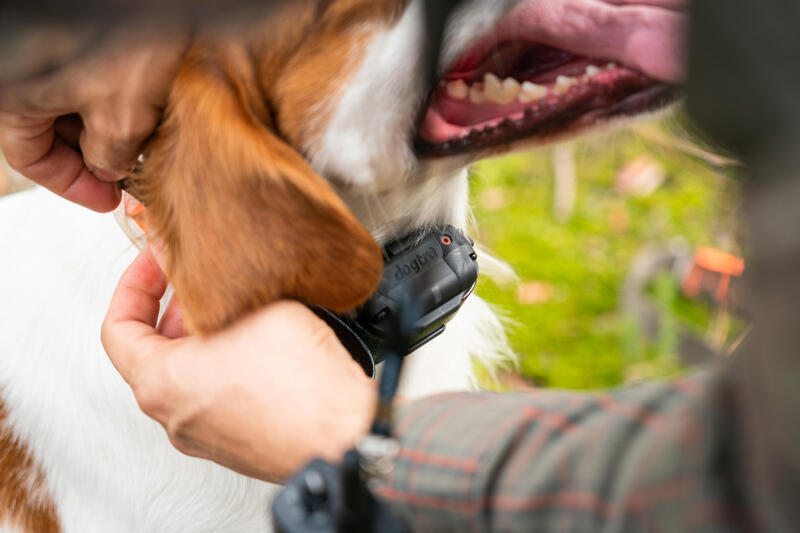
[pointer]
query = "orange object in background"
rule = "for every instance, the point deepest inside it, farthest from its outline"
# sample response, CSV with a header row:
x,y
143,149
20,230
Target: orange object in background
x,y
712,271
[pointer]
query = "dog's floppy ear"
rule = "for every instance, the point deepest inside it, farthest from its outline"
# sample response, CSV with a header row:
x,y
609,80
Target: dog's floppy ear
x,y
244,218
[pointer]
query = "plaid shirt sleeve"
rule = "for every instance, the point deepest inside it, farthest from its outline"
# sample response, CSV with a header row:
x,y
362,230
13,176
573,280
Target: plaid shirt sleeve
x,y
646,458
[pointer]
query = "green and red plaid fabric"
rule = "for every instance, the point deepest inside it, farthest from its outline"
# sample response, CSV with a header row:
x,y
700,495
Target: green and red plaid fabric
x,y
653,457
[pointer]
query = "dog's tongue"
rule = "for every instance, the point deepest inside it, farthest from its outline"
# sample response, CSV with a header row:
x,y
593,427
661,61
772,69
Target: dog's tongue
x,y
648,35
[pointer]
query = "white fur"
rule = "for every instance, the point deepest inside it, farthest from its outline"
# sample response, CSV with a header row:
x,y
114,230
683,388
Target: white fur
x,y
376,110
363,144
107,466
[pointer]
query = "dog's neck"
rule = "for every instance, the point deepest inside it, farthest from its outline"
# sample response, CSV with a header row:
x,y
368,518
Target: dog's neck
x,y
391,213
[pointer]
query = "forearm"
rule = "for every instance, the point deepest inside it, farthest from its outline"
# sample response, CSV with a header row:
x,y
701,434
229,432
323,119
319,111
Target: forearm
x,y
639,459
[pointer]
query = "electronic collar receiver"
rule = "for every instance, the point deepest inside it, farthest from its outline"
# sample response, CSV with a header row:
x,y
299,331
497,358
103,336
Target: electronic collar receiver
x,y
434,269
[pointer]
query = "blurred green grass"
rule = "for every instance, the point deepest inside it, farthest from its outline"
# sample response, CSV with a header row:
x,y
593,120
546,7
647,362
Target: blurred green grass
x,y
566,325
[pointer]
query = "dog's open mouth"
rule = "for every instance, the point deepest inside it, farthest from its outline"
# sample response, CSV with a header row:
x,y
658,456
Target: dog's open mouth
x,y
515,88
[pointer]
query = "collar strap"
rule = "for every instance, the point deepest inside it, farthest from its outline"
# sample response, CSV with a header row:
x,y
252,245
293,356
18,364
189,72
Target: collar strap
x,y
361,345
433,269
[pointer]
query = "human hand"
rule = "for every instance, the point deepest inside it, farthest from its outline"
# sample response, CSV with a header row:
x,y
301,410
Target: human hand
x,y
79,129
262,397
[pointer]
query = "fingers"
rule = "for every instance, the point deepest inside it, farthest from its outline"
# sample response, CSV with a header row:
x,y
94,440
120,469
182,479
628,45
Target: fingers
x,y
138,350
129,332
281,323
119,121
112,141
158,248
32,147
68,129
113,101
172,325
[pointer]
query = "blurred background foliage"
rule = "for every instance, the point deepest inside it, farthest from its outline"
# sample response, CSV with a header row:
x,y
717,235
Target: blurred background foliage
x,y
643,186
569,220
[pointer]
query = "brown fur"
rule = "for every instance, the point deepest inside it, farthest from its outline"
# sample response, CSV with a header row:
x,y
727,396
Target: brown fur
x,y
24,501
244,218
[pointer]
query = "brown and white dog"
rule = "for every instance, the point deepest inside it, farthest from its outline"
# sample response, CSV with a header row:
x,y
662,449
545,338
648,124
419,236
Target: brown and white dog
x,y
285,150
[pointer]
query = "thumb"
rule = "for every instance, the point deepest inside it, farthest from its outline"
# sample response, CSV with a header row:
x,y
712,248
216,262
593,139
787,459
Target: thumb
x,y
129,331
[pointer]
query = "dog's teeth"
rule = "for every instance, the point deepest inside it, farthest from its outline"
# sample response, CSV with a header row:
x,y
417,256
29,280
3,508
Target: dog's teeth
x,y
493,88
500,92
492,82
564,84
477,94
511,89
610,66
530,92
592,71
458,90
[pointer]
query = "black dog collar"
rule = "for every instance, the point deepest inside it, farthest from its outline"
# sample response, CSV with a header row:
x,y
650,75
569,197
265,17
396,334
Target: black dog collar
x,y
433,269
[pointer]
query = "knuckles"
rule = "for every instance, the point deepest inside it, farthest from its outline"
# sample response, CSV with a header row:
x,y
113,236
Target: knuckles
x,y
113,138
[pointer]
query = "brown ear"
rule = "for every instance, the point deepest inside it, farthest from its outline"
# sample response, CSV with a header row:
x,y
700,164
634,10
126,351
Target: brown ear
x,y
245,219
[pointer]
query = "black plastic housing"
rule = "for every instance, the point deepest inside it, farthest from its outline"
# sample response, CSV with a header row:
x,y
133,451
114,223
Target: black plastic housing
x,y
436,269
